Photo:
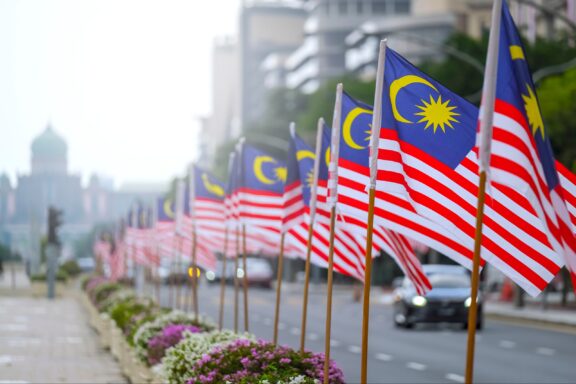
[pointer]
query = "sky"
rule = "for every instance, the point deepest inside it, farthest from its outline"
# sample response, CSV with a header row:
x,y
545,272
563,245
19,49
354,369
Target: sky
x,y
123,81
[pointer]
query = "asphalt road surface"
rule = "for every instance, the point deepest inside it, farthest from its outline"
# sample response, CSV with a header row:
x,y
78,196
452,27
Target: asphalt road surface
x,y
505,353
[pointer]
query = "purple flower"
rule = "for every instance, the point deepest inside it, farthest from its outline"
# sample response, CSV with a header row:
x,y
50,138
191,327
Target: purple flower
x,y
170,336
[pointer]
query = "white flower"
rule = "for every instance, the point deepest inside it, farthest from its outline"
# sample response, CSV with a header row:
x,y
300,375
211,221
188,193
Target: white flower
x,y
178,362
150,329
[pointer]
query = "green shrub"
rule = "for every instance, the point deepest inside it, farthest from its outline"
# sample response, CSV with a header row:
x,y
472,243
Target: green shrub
x,y
71,267
103,291
61,276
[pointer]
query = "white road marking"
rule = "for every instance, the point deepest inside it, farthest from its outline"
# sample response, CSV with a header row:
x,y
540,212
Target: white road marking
x,y
455,377
354,349
416,366
507,344
383,357
313,336
335,343
5,360
546,351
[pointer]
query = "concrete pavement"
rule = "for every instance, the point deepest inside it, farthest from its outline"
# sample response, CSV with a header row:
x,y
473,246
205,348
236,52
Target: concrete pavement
x,y
50,341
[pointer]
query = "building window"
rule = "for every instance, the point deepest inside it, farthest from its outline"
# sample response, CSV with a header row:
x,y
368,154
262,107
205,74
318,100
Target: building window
x,y
343,7
402,6
380,7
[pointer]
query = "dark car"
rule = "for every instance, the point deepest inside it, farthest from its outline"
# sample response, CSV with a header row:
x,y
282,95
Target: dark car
x,y
447,302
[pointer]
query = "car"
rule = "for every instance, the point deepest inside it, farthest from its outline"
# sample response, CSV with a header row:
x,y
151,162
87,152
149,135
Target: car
x,y
215,275
259,272
447,302
86,264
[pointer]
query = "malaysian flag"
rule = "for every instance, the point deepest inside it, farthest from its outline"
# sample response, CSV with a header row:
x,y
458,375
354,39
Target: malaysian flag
x,y
428,177
348,250
568,183
352,199
256,198
515,151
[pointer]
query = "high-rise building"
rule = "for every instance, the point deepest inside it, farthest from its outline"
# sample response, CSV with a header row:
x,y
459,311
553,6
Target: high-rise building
x,y
266,28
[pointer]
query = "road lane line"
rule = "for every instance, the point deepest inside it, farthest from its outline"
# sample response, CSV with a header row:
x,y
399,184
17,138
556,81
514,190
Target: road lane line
x,y
507,344
455,377
313,336
546,351
335,343
416,366
383,357
354,349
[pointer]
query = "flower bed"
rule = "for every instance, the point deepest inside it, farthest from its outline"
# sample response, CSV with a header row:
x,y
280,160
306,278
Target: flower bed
x,y
156,345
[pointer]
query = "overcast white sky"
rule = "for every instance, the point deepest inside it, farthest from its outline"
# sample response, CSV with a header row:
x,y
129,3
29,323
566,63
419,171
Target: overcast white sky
x,y
124,81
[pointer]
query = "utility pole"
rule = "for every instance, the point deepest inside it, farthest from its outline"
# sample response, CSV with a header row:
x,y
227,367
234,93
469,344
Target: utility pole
x,y
53,248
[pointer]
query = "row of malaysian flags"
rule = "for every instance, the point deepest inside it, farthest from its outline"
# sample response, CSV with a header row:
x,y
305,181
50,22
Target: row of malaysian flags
x,y
428,162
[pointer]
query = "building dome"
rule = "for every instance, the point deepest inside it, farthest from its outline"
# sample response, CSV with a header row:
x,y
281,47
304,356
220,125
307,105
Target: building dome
x,y
49,145
49,153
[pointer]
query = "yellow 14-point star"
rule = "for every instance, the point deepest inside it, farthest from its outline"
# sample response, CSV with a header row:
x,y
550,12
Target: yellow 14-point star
x,y
533,112
437,114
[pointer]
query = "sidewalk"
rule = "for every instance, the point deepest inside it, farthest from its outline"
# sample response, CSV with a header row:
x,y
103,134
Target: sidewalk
x,y
43,341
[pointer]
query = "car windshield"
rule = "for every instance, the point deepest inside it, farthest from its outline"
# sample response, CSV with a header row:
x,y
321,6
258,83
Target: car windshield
x,y
257,265
449,281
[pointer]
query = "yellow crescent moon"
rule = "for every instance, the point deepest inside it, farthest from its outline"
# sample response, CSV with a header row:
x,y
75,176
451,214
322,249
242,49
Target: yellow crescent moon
x,y
304,154
400,83
347,126
212,188
168,208
327,157
258,169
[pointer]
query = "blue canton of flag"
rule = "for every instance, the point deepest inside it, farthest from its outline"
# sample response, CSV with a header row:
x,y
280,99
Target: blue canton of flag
x,y
426,114
325,153
301,164
261,172
207,185
514,86
165,209
356,127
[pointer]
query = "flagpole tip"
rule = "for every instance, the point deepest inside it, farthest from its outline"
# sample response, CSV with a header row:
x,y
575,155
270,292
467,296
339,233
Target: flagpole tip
x,y
292,129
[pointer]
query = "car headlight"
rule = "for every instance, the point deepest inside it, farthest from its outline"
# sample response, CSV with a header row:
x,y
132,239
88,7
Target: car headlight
x,y
419,301
468,302
210,275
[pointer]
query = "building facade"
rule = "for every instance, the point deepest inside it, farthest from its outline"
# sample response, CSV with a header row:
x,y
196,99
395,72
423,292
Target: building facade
x,y
24,206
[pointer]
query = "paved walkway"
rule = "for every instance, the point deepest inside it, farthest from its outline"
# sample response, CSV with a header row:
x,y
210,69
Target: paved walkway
x,y
43,341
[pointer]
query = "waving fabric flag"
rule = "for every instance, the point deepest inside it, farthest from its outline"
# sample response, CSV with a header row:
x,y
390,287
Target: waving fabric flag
x,y
348,252
568,183
255,199
521,161
428,182
353,176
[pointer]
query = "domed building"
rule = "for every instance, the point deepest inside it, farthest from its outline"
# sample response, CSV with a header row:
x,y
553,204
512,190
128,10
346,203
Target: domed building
x,y
24,207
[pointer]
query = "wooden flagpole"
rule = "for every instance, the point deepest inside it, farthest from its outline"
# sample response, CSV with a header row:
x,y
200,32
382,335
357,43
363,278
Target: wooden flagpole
x,y
245,279
375,135
227,221
485,139
223,281
278,288
332,199
178,232
313,198
191,203
236,282
195,277
329,295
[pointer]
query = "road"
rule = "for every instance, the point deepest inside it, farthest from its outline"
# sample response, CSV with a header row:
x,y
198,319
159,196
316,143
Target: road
x,y
505,353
